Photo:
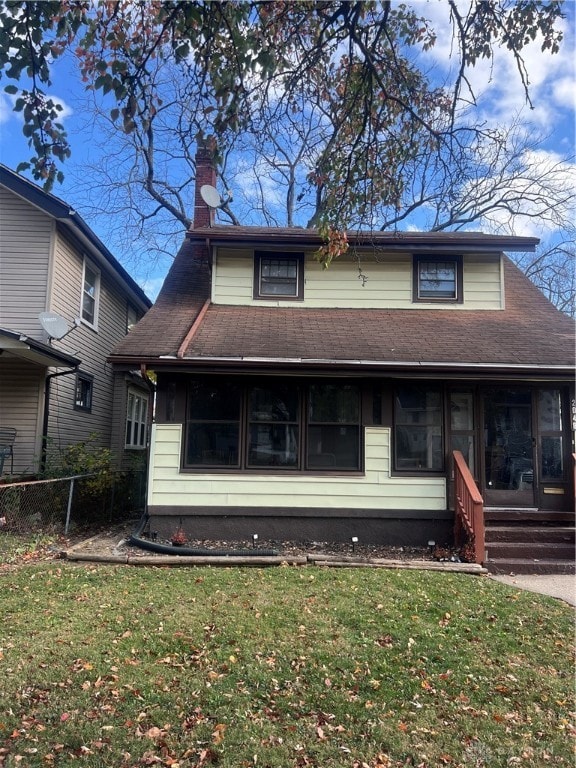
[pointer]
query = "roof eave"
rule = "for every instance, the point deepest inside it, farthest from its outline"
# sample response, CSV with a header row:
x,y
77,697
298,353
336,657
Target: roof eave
x,y
396,241
33,351
361,367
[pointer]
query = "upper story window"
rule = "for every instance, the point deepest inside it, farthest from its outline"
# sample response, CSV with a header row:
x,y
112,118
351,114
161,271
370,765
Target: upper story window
x,y
278,275
84,392
90,294
132,317
438,279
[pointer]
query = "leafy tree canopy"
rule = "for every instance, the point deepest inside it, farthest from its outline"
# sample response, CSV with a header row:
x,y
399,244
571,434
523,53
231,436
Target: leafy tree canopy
x,y
353,67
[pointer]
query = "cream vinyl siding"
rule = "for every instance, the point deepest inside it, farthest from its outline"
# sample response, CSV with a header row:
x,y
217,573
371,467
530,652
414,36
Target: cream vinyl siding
x,y
26,237
375,490
388,284
21,399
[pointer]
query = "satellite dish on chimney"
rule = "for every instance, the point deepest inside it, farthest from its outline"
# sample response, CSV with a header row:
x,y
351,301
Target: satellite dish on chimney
x,y
55,326
210,195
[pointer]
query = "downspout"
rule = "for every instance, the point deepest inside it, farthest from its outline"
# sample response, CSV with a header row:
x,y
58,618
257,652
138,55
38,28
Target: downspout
x,y
49,377
151,405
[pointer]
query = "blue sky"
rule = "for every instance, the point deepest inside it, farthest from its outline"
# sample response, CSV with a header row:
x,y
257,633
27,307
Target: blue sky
x,y
495,83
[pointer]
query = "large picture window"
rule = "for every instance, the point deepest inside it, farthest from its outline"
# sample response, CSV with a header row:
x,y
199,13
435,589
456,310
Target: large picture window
x,y
418,429
273,425
278,275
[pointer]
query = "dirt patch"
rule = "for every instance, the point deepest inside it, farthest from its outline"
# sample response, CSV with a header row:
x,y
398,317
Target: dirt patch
x,y
114,542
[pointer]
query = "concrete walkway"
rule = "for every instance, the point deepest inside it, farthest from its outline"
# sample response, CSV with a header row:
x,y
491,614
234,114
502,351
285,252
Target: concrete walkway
x,y
561,587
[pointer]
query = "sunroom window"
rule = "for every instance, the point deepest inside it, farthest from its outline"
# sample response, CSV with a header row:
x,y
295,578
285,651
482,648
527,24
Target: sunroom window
x,y
273,430
418,429
213,434
273,425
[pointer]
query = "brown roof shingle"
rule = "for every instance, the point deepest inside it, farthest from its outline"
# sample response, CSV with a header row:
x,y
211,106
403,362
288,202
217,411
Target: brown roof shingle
x,y
530,331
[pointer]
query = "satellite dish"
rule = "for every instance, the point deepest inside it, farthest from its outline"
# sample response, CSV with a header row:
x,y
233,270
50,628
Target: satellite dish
x,y
55,326
210,195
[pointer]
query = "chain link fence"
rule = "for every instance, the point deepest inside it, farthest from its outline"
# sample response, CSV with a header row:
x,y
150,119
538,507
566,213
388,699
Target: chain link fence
x,y
59,505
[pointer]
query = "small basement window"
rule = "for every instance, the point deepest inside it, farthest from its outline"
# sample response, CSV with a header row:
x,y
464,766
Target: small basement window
x,y
278,275
438,279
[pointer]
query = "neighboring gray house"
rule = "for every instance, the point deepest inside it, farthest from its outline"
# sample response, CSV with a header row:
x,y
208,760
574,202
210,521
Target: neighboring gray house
x,y
52,262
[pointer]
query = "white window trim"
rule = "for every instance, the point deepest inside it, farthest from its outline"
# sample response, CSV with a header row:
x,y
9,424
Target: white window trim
x,y
93,268
143,421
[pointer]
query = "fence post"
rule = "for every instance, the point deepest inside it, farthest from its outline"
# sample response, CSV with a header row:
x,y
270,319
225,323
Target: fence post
x,y
69,507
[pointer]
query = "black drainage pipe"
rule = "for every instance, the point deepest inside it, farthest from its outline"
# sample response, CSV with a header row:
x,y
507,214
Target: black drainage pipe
x,y
135,540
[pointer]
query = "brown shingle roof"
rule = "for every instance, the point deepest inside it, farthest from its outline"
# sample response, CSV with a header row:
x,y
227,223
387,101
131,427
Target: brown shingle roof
x,y
165,325
529,332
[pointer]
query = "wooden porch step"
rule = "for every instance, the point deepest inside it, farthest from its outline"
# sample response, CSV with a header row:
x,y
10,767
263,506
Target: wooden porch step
x,y
498,514
562,534
530,550
527,565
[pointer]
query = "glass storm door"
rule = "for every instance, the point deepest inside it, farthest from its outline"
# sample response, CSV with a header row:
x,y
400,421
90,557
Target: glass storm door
x,y
509,477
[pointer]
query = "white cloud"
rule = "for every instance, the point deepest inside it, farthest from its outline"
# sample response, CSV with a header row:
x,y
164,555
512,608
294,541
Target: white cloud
x,y
6,108
151,286
496,82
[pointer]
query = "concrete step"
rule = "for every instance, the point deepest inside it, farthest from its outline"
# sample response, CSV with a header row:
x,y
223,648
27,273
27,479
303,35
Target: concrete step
x,y
526,565
562,534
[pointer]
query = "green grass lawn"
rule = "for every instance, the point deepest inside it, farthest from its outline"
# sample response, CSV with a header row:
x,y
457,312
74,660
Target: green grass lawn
x,y
126,667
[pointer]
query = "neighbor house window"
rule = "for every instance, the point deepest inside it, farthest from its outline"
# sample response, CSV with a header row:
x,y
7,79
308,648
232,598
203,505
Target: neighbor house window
x,y
90,294
274,425
132,317
84,392
136,419
278,275
418,429
438,279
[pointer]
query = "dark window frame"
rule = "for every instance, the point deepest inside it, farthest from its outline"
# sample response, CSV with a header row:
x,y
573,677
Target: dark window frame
x,y
303,425
424,471
457,260
138,427
260,257
87,380
90,301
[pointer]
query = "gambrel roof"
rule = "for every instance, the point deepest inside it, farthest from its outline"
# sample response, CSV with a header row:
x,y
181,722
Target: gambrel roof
x,y
185,329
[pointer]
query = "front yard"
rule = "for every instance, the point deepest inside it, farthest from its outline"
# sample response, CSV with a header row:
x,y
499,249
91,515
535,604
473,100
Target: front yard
x,y
127,667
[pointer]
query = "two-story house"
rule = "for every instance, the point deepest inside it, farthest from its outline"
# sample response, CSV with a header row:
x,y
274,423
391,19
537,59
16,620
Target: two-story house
x,y
54,271
302,403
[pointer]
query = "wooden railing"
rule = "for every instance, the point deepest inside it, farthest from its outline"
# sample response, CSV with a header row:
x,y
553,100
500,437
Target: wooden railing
x,y
468,509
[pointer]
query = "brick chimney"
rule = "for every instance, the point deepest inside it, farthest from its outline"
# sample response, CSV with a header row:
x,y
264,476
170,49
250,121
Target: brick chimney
x,y
205,174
